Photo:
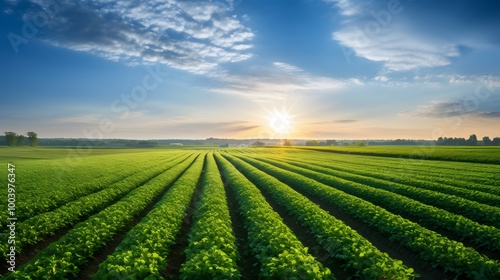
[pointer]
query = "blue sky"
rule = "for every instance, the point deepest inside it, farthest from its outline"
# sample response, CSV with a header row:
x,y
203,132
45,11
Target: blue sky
x,y
250,68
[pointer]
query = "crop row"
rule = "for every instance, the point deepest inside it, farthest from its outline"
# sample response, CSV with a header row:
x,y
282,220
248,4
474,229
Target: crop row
x,y
473,155
478,212
430,246
340,241
143,252
212,251
281,255
429,216
48,185
62,258
480,176
36,228
467,190
390,176
467,175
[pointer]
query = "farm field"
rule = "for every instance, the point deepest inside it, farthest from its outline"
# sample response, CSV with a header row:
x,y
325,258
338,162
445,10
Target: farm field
x,y
280,213
479,154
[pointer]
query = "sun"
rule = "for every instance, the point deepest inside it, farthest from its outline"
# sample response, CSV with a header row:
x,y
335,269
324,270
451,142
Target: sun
x,y
280,122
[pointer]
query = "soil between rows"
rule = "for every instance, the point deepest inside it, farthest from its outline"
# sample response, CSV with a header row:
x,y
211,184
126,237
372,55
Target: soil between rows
x,y
307,239
177,256
92,266
30,251
247,262
429,225
384,244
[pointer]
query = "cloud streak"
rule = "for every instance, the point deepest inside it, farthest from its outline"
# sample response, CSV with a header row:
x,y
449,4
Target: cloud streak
x,y
195,36
277,82
467,107
396,34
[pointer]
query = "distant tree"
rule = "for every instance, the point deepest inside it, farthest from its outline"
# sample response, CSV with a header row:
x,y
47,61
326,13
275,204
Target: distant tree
x,y
331,142
440,141
454,141
496,141
472,141
258,144
11,138
312,143
487,141
33,138
360,143
21,139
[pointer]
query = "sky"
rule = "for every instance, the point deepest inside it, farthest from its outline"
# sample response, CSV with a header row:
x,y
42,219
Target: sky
x,y
308,69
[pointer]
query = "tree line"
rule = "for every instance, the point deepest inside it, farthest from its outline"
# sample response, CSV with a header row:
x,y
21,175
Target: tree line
x,y
13,139
442,141
472,141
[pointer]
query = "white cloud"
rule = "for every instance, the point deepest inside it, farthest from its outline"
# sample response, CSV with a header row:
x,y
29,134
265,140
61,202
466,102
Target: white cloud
x,y
347,7
277,81
491,83
396,49
383,38
196,36
381,78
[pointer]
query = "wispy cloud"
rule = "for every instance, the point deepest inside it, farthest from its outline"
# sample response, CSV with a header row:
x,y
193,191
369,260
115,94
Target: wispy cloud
x,y
337,121
196,36
397,50
208,128
346,121
277,81
467,107
230,126
437,109
397,35
492,115
81,119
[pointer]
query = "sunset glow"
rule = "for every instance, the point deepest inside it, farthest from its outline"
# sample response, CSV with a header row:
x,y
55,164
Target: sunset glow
x,y
280,122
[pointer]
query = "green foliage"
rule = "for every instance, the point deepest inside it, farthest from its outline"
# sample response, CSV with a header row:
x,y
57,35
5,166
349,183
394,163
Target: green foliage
x,y
143,251
20,140
428,245
33,138
36,228
459,154
47,185
62,258
358,254
11,138
280,253
97,193
212,251
385,194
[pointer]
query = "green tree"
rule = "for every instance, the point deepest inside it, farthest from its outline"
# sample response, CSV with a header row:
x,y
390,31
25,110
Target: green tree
x,y
258,144
331,142
21,139
472,141
11,138
487,141
312,143
361,144
33,138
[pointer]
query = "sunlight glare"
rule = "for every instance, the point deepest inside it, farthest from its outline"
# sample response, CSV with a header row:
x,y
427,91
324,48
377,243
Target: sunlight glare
x,y
280,122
